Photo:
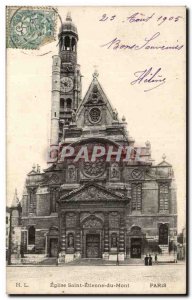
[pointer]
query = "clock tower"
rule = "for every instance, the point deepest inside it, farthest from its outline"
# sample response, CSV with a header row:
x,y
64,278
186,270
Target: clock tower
x,y
66,81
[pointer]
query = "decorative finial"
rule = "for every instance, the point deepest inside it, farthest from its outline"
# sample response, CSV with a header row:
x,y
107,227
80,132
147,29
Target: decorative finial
x,y
33,167
38,169
68,17
123,119
164,157
95,74
148,144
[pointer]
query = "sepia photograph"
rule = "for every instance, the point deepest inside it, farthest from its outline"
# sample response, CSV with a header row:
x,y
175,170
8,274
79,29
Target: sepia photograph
x,y
96,150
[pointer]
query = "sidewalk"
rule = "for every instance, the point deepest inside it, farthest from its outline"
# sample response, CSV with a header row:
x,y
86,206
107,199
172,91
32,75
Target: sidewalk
x,y
94,262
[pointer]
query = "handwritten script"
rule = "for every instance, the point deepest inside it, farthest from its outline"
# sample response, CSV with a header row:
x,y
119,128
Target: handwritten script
x,y
147,44
150,77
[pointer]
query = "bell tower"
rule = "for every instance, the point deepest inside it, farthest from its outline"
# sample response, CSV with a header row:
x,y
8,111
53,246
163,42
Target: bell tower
x,y
66,81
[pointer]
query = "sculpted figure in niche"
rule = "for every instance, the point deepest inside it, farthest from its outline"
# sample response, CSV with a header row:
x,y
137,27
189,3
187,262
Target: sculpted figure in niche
x,y
114,241
73,116
72,176
70,241
115,115
115,171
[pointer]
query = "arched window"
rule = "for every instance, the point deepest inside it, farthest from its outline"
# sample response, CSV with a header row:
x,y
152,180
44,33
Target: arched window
x,y
31,235
163,197
68,103
61,103
67,43
54,197
163,234
73,44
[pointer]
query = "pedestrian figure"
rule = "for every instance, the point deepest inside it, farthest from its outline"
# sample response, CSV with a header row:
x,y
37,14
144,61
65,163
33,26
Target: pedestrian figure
x,y
156,262
150,260
146,260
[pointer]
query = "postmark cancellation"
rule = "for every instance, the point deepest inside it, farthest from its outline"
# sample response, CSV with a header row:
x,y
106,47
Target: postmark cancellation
x,y
30,27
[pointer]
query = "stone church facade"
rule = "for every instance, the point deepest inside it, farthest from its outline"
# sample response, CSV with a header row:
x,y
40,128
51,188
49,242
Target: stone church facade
x,y
101,209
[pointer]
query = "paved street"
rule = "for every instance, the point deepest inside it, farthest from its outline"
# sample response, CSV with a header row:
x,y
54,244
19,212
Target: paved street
x,y
71,279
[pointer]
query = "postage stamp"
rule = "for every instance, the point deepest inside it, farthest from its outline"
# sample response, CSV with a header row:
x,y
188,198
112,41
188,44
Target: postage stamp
x,y
30,27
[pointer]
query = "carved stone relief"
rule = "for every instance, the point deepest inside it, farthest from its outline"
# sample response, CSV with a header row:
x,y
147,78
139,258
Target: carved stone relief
x,y
71,173
114,172
114,220
70,220
92,223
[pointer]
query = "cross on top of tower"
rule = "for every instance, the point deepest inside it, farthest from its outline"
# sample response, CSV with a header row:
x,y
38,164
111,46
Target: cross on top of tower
x,y
68,17
95,74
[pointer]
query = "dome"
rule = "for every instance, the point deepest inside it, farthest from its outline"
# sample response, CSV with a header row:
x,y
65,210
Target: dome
x,y
69,26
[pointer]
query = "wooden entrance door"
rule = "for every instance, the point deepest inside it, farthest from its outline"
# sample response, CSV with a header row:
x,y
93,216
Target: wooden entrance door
x,y
92,245
136,247
53,247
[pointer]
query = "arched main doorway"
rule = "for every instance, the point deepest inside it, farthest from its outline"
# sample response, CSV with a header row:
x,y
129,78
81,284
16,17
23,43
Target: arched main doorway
x,y
92,237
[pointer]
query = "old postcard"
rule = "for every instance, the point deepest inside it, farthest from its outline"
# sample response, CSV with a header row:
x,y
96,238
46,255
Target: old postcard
x,y
96,150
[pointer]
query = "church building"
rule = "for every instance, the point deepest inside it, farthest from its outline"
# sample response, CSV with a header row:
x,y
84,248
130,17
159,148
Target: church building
x,y
84,208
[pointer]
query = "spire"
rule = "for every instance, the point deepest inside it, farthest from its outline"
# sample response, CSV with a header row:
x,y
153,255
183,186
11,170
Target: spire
x,y
15,201
68,17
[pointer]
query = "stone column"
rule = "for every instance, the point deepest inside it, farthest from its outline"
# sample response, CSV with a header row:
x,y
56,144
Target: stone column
x,y
78,236
122,237
62,238
23,242
106,237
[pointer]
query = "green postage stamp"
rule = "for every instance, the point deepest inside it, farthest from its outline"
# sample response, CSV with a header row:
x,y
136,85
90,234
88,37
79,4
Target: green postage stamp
x,y
30,27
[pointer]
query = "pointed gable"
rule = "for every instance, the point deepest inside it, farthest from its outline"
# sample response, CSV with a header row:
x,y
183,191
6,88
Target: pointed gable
x,y
164,164
95,109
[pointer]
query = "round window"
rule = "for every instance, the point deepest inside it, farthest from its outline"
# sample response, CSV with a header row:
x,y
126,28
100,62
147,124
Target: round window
x,y
95,115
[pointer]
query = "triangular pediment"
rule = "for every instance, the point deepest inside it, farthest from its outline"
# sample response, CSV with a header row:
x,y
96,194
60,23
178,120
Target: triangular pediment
x,y
33,172
92,192
95,98
164,164
95,95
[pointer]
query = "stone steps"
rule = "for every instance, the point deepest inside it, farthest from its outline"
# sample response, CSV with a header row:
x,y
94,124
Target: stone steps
x,y
164,249
38,259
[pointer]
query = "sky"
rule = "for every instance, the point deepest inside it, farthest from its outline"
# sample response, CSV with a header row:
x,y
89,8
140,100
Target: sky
x,y
157,115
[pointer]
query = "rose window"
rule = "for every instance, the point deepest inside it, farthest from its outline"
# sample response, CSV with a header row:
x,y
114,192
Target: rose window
x,y
95,115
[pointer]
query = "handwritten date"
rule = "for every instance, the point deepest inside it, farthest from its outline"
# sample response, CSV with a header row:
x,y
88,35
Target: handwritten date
x,y
142,18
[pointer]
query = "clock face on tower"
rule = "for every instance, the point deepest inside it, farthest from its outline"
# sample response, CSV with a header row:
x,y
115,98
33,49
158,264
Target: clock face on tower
x,y
66,84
